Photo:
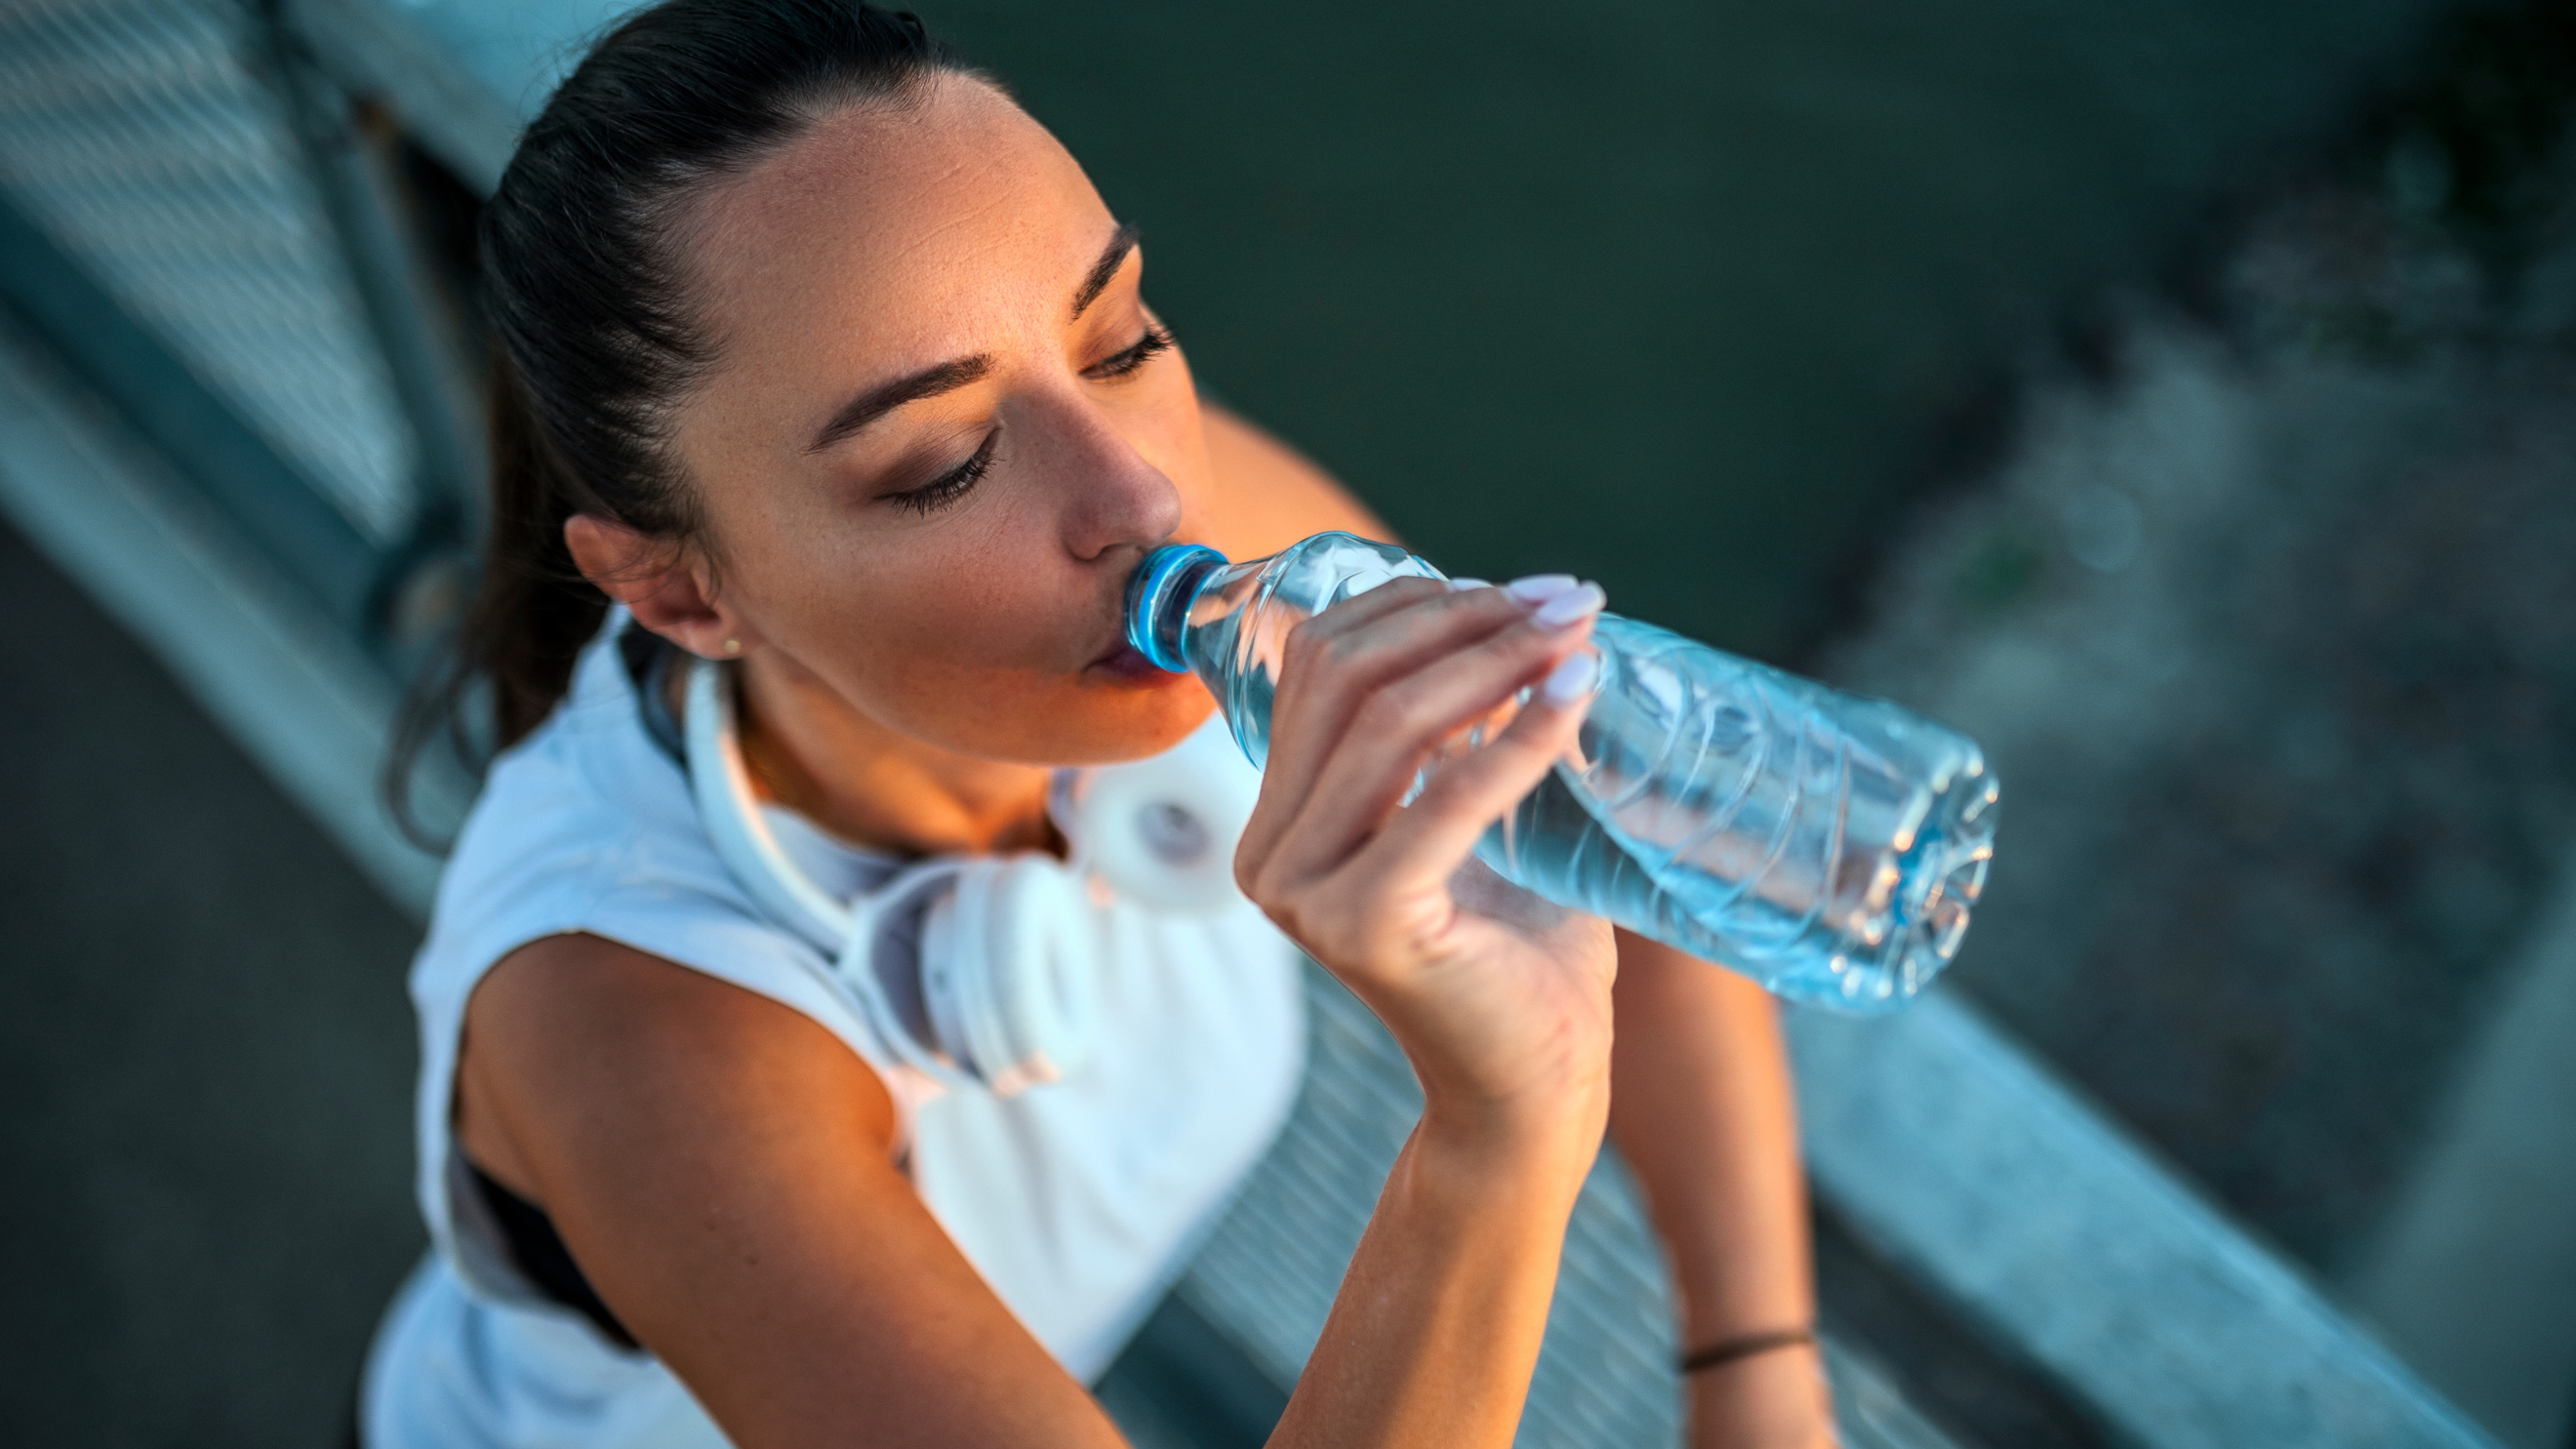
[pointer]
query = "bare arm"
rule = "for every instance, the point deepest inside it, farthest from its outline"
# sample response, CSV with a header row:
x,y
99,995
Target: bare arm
x,y
1701,1110
1268,495
720,1167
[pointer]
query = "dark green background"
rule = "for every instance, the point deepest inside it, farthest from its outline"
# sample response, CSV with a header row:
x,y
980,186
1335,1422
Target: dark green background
x,y
1669,294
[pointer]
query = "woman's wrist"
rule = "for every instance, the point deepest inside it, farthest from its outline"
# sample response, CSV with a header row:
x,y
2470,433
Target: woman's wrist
x,y
1440,1316
1556,1121
1536,1150
1769,1400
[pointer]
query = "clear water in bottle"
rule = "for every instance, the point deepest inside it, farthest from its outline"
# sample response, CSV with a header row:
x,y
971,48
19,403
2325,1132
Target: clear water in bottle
x,y
1828,846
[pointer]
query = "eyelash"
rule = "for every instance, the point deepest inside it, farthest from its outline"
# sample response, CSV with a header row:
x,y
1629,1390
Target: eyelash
x,y
950,486
1155,342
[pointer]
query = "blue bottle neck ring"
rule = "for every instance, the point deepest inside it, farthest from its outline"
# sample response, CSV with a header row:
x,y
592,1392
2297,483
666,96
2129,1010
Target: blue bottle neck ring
x,y
1159,599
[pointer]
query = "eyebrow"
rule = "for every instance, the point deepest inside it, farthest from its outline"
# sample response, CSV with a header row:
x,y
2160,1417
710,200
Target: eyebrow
x,y
1112,257
869,406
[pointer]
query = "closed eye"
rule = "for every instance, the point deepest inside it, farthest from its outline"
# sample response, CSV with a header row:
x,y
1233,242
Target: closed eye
x,y
950,486
1123,364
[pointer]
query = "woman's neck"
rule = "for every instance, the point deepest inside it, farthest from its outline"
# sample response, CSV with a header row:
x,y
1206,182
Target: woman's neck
x,y
808,749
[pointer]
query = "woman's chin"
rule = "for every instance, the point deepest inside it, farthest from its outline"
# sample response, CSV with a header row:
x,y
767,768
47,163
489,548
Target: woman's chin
x,y
1139,720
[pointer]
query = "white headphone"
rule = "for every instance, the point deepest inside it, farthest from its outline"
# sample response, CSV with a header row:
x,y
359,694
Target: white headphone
x,y
1002,992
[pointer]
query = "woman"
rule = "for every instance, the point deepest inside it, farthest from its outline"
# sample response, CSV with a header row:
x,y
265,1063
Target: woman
x,y
826,361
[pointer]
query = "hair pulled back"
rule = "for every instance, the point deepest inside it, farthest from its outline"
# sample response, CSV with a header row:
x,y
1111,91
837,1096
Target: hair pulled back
x,y
587,293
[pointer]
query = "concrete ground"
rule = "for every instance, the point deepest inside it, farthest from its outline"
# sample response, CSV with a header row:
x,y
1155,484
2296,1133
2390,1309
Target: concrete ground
x,y
207,1058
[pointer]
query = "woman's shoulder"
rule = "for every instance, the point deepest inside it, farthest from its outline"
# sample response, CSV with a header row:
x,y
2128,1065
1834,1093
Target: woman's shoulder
x,y
1266,495
587,799
588,827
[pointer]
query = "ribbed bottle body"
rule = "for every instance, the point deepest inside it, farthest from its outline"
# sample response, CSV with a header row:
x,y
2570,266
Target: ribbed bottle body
x,y
1828,846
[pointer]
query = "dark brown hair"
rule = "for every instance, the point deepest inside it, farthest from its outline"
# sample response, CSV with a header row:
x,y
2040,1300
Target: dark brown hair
x,y
594,336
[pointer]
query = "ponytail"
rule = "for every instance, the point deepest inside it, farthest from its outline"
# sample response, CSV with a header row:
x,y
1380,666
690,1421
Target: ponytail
x,y
535,611
512,658
590,307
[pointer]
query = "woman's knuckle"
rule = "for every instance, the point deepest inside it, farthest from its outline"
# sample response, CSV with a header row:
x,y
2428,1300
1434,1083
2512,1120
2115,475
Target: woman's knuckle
x,y
1346,649
1307,648
1258,880
1249,853
1389,713
1517,644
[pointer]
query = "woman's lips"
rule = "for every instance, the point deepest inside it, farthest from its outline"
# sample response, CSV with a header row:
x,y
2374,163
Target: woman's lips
x,y
1124,665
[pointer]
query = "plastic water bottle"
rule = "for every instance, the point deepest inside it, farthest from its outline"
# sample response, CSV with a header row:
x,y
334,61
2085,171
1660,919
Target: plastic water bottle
x,y
1826,845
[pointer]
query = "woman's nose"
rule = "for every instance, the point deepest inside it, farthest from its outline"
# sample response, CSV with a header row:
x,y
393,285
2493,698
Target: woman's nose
x,y
1113,495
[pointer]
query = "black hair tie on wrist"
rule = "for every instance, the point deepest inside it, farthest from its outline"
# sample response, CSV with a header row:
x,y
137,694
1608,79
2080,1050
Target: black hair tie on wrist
x,y
1728,1350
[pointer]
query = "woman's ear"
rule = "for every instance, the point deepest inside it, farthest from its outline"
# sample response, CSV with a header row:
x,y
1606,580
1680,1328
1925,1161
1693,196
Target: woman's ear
x,y
665,586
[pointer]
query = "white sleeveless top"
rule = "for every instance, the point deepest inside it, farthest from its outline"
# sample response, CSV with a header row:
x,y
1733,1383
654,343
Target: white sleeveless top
x,y
1079,1201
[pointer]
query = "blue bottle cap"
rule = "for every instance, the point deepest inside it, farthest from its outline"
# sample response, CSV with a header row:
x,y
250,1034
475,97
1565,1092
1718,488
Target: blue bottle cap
x,y
1159,599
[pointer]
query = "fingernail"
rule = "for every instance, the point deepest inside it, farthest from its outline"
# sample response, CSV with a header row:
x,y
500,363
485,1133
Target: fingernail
x,y
1567,682
1539,588
1460,586
1573,604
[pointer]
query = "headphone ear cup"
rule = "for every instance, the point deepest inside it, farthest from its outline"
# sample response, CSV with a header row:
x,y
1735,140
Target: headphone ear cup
x,y
897,989
1161,832
1020,976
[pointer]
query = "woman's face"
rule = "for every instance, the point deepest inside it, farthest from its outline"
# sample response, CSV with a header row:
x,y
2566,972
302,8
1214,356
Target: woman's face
x,y
942,429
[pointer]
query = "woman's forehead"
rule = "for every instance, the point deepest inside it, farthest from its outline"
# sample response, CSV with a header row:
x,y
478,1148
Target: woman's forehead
x,y
949,206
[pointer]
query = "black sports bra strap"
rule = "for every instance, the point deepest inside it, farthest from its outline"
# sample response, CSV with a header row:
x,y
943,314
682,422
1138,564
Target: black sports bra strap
x,y
538,1252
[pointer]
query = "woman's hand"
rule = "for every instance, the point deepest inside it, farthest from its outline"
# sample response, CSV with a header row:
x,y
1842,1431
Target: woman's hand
x,y
1501,1000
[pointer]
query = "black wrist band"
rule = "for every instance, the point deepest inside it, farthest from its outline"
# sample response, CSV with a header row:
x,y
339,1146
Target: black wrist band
x,y
1728,1350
